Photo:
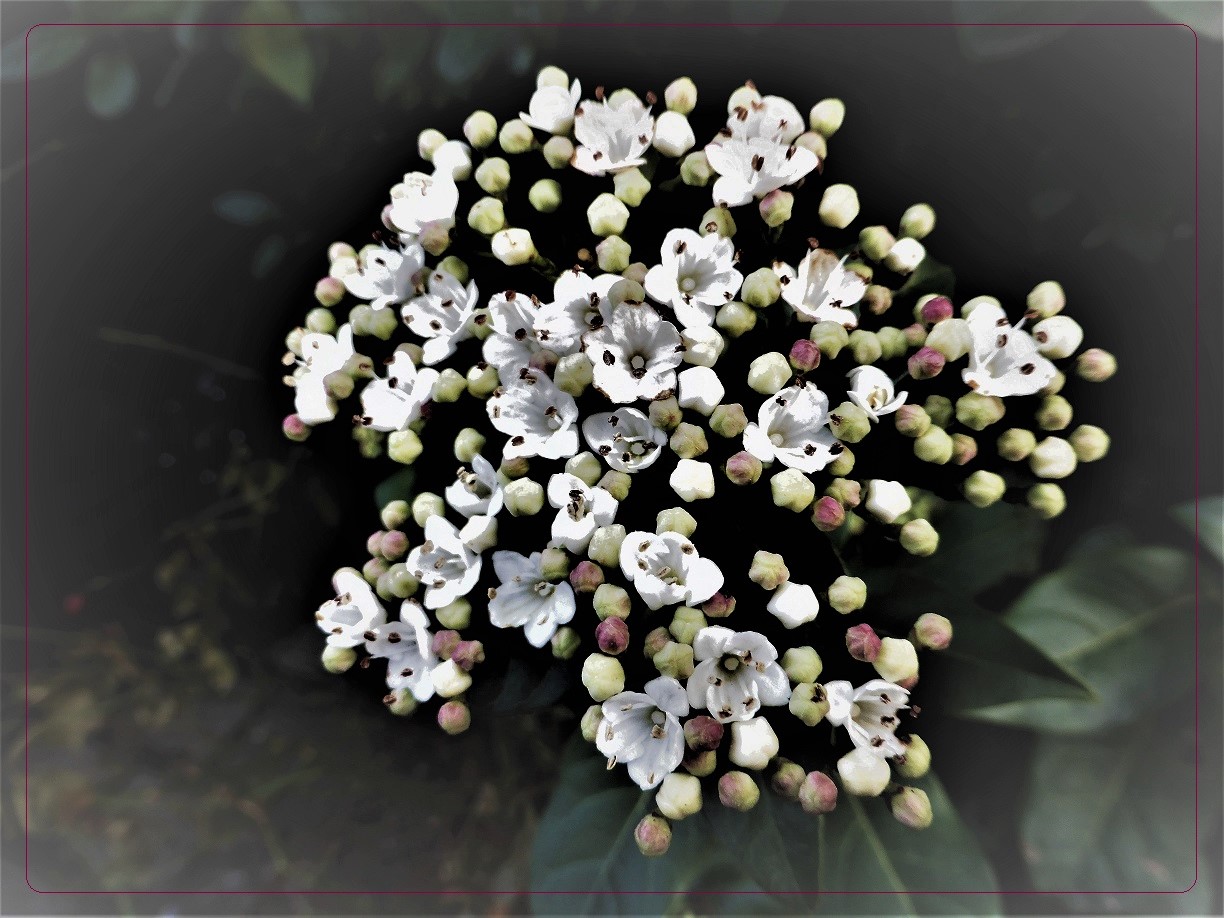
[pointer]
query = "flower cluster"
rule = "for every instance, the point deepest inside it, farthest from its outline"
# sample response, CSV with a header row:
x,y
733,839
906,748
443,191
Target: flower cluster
x,y
616,417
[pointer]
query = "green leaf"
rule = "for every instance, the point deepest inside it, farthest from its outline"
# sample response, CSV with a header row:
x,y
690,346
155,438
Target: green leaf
x,y
930,276
1210,522
279,53
1120,620
399,486
110,84
51,49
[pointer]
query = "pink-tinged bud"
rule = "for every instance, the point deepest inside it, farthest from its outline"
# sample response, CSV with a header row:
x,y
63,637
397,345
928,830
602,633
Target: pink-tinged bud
x,y
964,449
912,420
863,643
586,577
329,291
818,793
936,310
653,835
444,643
911,807
612,635
467,654
908,684
655,641
877,300
1096,365
702,732
828,514
744,468
846,491
934,632
804,355
374,543
737,791
454,717
701,764
915,335
545,361
787,780
373,569
720,605
295,428
393,545
925,363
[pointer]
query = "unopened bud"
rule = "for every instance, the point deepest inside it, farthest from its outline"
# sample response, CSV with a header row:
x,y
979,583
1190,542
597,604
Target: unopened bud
x,y
918,537
776,207
817,793
849,422
743,468
977,411
602,676
932,631
964,449
939,409
1089,442
565,643
916,761
1053,457
728,420
688,441
877,299
863,643
454,717
338,660
830,337
828,514
653,835
1096,365
905,256
768,570
809,703
720,605
736,318
865,346
558,151
665,413
1054,413
753,743
612,636
892,342
1047,499
607,215
611,600
792,490
876,241
911,807
718,220
655,641
918,221
863,773
827,116
515,137
1046,299
630,187
769,373
674,660
843,464
702,733
984,488
692,480
295,428
1016,444
926,363
848,594
554,564
679,796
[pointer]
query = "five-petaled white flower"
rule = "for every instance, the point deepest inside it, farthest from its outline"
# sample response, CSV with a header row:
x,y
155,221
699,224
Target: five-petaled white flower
x,y
872,390
869,714
441,315
666,569
737,672
321,354
772,117
625,438
697,275
423,200
477,492
443,564
393,402
514,340
551,108
581,509
752,167
612,138
383,276
353,612
580,303
642,731
635,354
1004,359
822,290
538,417
524,599
406,646
791,427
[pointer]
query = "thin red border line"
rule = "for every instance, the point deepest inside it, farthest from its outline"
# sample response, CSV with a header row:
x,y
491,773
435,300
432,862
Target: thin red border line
x,y
419,892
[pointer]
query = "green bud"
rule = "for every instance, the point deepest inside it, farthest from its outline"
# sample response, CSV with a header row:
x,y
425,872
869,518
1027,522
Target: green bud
x,y
810,140
573,374
918,221
817,793
613,254
1056,383
718,220
768,570
878,300
919,537
611,601
850,422
584,465
827,116
912,420
395,514
792,490
1089,442
743,468
728,420
865,346
515,137
482,380
680,95
487,216
917,759
736,318
984,488
677,519
787,779
605,545
830,337
337,660
514,468
630,187
524,497
480,129
939,409
592,719
761,288
400,703
843,464
425,505
458,269
1047,499
616,483
809,703
1096,365
776,207
383,323
802,664
1054,413
545,196
607,216
875,242
1053,457
695,170
688,441
404,446
493,175
602,676
665,413
977,411
565,643
428,141
449,386
951,337
456,615
338,385
964,448
558,151
846,492
1046,299
892,342
839,206
685,624
769,373
674,660
1016,444
468,444
321,321
848,594
931,631
554,564
737,791
912,808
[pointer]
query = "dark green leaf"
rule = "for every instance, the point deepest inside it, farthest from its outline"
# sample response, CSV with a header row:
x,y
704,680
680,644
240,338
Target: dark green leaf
x,y
245,208
110,84
279,53
930,276
397,487
1210,522
51,49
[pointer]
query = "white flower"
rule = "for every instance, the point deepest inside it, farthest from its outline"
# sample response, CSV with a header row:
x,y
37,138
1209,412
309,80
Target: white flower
x,y
772,118
580,303
441,315
551,108
887,500
737,672
406,645
673,134
872,390
538,417
869,714
321,354
524,599
514,341
752,167
384,276
1004,359
612,138
697,275
477,492
666,569
422,200
642,731
445,566
394,402
353,612
794,604
822,290
625,439
635,354
791,428
582,510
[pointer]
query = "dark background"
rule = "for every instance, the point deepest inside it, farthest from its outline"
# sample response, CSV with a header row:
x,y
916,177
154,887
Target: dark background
x,y
166,507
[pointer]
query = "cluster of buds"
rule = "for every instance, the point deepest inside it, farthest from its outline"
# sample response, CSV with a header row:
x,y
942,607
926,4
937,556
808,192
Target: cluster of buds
x,y
742,388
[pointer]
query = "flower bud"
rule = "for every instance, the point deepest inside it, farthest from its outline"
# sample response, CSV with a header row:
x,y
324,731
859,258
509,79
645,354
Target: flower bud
x,y
607,215
768,570
586,577
515,137
1046,299
554,564
400,703
513,247
611,601
565,643
493,175
718,220
613,254
454,717
612,636
761,288
606,544
1053,457
776,207
524,497
736,318
810,140
919,537
918,221
787,779
911,807
425,505
338,385
737,791
655,641
877,300
863,643
443,643
728,420
1089,442
743,468
863,773
827,116
558,151
573,374
545,196
1016,444
592,720
480,129
665,413
603,676
720,605
695,170
875,241
392,545
404,446
809,703
1054,414
653,835
616,483
686,623
688,441
964,448
951,338
926,363
673,136
830,337
793,604
1096,365
802,664
855,525
338,660
692,480
977,411
703,733
817,794
934,446
329,292
839,206
449,679
887,500
487,216
931,631
905,256
428,141
1047,499
842,465
703,345
753,743
468,444
849,422
896,661
917,759
984,488
294,428
865,346
679,796
400,583
848,594
792,490
828,514
512,469
680,95
1056,383
674,660
677,519
701,764
482,380
912,421
892,342
939,409
1058,336
630,187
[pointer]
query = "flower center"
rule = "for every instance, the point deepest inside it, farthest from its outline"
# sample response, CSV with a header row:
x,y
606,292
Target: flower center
x,y
688,284
730,662
668,576
777,439
637,361
877,397
544,589
658,721
854,712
